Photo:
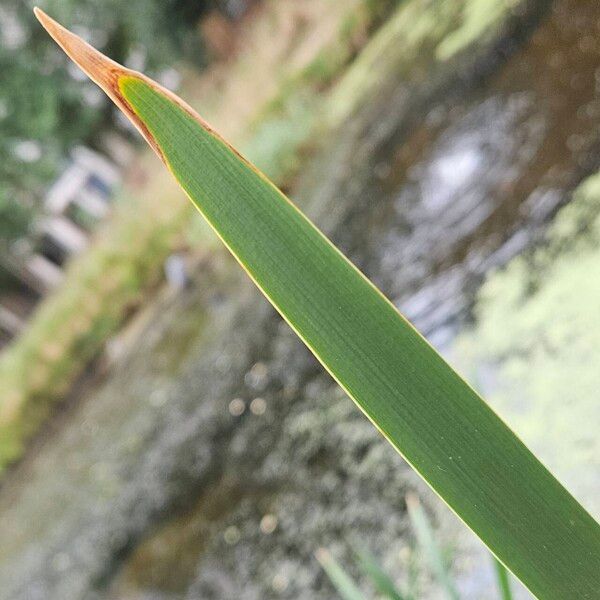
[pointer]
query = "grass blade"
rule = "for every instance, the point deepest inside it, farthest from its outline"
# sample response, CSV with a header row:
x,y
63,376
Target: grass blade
x,y
427,412
503,580
342,582
429,547
381,580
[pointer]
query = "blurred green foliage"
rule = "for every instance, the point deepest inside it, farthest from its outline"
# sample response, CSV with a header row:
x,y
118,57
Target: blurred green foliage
x,y
46,108
429,557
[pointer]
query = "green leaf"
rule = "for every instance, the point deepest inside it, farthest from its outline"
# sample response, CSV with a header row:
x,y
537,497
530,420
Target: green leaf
x,y
342,582
450,436
429,547
381,580
503,580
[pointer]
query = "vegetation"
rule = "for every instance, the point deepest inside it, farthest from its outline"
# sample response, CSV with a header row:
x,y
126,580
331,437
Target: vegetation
x,y
426,411
125,259
431,558
45,109
70,326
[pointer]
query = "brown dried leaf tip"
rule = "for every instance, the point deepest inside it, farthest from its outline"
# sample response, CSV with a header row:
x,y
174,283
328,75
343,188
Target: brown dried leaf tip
x,y
98,67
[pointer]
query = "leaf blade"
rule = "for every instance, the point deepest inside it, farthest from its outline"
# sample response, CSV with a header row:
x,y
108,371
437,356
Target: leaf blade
x,y
438,423
381,580
427,412
343,583
430,548
503,580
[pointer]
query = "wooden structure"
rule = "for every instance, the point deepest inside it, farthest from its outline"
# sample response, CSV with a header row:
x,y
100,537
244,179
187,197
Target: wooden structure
x,y
77,200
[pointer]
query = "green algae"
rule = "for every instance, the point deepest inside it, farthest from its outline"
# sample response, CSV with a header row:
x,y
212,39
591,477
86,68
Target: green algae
x,y
547,350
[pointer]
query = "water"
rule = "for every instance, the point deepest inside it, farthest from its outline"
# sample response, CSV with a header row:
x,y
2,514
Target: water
x,y
152,488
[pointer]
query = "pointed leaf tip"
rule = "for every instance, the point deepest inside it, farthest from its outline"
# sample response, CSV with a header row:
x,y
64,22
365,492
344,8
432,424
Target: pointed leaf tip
x,y
102,70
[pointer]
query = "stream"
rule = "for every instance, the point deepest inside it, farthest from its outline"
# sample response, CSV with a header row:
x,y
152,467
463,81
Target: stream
x,y
216,458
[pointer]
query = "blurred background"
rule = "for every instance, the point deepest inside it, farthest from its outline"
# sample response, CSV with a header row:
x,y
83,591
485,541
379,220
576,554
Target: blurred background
x,y
163,434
